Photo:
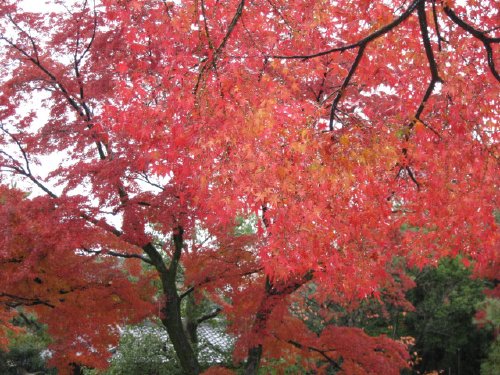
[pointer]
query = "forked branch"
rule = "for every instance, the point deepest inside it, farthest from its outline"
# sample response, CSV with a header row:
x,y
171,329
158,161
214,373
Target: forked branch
x,y
347,79
376,34
422,19
322,352
14,301
481,35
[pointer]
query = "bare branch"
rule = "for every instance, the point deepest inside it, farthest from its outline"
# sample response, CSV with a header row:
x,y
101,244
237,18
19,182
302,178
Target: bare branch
x,y
82,110
187,292
211,315
412,176
15,301
205,25
383,30
21,149
27,170
101,224
92,38
28,35
430,58
347,79
178,236
323,352
481,35
157,260
118,255
210,279
431,129
218,50
280,14
144,178
231,27
436,24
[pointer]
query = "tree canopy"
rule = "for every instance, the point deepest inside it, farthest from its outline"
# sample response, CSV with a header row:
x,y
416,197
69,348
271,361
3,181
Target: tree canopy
x,y
257,155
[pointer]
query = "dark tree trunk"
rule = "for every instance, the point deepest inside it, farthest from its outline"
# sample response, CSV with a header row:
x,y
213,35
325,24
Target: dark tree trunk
x,y
267,305
171,312
253,361
76,369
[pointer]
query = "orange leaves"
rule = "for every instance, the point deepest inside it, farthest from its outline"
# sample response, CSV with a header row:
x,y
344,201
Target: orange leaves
x,y
357,352
363,354
44,269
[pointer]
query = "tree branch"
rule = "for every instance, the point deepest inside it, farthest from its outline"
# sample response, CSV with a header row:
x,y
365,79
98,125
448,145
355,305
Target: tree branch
x,y
412,176
117,254
218,50
231,27
24,301
92,38
187,292
205,25
208,316
436,25
210,279
178,247
347,79
430,58
313,349
144,178
481,35
156,259
383,30
81,110
27,170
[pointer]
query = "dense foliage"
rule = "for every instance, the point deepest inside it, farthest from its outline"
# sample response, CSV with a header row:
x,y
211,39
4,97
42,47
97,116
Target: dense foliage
x,y
447,339
26,352
256,155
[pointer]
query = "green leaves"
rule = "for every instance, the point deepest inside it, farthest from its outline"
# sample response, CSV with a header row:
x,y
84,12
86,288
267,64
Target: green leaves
x,y
445,301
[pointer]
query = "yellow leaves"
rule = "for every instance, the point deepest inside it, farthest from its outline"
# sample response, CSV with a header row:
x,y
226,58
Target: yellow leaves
x,y
299,147
282,172
259,121
116,298
303,143
305,134
318,16
419,126
314,166
203,181
262,118
365,157
344,140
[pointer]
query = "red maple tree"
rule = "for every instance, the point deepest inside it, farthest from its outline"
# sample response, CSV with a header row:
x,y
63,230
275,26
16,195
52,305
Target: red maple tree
x,y
348,134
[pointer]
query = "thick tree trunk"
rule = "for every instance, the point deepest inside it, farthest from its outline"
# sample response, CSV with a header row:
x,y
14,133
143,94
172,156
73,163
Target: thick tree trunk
x,y
267,306
171,312
191,320
76,369
253,360
172,321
